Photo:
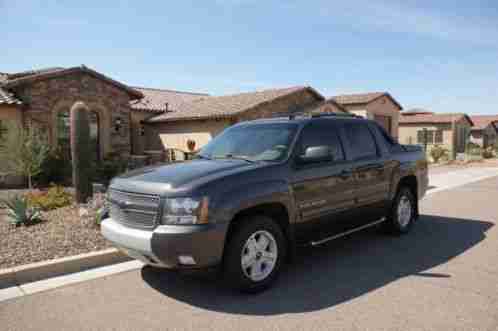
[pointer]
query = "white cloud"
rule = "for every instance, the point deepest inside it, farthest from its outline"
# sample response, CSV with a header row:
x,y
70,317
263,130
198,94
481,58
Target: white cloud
x,y
398,17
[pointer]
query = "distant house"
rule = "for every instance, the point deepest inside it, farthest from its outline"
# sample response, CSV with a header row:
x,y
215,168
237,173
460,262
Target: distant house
x,y
485,130
203,117
378,106
424,127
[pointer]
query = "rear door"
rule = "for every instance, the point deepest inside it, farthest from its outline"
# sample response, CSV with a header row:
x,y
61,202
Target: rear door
x,y
323,191
370,171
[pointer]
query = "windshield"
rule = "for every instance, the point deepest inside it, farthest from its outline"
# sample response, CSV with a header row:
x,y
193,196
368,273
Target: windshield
x,y
265,142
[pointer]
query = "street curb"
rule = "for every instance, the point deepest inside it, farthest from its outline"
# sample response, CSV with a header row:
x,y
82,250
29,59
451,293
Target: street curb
x,y
57,267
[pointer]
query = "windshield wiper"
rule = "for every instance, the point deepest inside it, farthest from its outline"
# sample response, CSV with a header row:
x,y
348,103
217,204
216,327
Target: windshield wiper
x,y
203,157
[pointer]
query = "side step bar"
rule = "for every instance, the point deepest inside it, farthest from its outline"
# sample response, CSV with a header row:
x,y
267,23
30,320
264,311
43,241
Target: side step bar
x,y
322,241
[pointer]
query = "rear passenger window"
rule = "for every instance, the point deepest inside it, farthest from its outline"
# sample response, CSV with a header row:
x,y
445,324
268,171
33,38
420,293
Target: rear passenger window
x,y
319,135
361,141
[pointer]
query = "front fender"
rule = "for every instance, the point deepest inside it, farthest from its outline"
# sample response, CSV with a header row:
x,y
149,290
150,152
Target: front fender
x,y
231,202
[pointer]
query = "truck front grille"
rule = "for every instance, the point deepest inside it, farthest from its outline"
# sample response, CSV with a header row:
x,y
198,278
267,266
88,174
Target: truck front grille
x,y
133,209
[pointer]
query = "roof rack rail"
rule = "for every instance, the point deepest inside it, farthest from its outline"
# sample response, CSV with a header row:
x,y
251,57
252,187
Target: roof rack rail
x,y
335,115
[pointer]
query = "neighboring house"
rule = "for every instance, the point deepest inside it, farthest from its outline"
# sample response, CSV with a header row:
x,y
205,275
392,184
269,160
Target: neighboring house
x,y
449,130
485,130
203,118
378,106
44,98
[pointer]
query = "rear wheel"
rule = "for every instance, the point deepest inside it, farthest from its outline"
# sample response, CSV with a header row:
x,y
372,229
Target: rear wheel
x,y
403,213
254,254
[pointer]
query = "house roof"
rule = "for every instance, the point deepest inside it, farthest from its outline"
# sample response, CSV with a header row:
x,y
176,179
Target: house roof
x,y
229,105
161,100
15,79
363,98
423,118
482,121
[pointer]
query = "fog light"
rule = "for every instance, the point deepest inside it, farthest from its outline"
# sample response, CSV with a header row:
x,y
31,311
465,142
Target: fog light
x,y
187,260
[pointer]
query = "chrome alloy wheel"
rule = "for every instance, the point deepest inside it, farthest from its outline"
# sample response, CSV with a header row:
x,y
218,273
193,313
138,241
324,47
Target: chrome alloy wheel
x,y
404,211
259,255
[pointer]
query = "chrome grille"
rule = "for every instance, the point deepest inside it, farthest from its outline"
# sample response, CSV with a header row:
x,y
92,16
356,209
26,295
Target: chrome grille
x,y
133,209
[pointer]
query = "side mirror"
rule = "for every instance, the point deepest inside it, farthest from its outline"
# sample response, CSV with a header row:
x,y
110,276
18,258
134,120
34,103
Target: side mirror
x,y
315,154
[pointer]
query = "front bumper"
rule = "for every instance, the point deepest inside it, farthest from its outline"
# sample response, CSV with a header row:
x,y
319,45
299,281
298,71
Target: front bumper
x,y
163,246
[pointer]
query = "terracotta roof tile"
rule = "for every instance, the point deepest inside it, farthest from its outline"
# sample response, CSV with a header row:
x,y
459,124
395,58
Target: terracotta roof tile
x,y
482,121
226,106
155,100
362,98
416,118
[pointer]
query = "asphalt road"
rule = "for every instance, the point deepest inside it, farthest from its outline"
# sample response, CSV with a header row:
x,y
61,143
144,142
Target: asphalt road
x,y
442,276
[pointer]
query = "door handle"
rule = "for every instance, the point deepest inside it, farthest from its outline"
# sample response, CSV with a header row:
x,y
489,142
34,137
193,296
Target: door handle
x,y
370,167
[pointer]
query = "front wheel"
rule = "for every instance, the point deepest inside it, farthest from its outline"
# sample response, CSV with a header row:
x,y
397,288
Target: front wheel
x,y
403,213
254,254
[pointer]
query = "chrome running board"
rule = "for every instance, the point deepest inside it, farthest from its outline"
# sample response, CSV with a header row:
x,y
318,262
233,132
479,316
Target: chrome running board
x,y
322,241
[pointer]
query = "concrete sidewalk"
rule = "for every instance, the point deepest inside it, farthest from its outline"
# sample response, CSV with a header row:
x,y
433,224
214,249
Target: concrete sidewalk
x,y
448,180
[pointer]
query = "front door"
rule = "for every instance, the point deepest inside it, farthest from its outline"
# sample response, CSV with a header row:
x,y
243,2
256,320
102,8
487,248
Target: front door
x,y
323,191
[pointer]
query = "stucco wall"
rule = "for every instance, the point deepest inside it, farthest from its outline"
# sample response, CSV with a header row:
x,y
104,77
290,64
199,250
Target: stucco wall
x,y
161,136
9,117
383,106
48,97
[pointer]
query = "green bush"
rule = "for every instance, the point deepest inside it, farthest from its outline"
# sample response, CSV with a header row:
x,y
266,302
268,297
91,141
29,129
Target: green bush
x,y
109,168
19,211
438,152
55,197
488,152
56,169
473,149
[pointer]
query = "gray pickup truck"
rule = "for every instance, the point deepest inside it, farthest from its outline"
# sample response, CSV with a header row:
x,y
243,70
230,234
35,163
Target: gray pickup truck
x,y
262,188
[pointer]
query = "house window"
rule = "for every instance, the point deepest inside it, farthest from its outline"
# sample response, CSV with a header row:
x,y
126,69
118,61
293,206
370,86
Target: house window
x,y
438,137
64,133
433,137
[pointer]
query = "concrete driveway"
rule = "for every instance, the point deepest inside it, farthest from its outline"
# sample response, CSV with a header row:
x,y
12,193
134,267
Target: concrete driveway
x,y
442,276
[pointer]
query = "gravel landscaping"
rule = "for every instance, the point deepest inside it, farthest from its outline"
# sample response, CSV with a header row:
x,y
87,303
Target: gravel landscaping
x,y
61,234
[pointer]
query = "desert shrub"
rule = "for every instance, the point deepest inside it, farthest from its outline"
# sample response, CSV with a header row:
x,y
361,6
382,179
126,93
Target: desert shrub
x,y
19,211
488,152
438,152
95,210
55,169
473,149
55,197
109,168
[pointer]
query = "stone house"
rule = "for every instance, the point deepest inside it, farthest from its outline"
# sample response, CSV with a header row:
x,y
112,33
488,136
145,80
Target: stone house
x,y
378,106
485,130
449,130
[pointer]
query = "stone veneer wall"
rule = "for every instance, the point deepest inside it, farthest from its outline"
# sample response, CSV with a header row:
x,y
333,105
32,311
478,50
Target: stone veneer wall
x,y
46,98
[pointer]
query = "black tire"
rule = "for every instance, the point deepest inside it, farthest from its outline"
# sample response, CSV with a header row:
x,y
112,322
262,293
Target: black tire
x,y
233,272
393,223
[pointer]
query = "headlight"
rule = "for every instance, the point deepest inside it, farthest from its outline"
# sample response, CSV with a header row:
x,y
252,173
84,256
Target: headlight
x,y
186,211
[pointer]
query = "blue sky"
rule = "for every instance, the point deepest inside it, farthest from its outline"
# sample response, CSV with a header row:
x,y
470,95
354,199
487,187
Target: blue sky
x,y
441,55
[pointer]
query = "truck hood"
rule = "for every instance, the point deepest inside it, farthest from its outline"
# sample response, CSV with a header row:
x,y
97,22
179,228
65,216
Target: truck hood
x,y
176,176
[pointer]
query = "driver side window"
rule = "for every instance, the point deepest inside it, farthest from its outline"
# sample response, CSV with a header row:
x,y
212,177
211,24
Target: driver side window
x,y
319,135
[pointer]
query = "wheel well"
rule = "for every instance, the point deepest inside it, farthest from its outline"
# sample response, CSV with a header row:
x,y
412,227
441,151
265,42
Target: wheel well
x,y
276,211
411,183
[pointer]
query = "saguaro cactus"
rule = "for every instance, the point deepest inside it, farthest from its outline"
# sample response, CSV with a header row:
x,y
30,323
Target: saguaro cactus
x,y
80,151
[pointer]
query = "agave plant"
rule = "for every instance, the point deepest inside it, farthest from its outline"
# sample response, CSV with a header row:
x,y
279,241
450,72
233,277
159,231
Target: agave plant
x,y
19,212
